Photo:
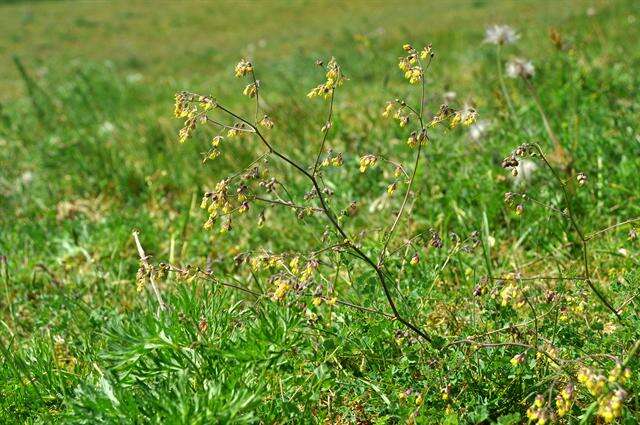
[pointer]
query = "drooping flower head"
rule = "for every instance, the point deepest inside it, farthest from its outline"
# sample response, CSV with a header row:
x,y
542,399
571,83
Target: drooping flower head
x,y
501,34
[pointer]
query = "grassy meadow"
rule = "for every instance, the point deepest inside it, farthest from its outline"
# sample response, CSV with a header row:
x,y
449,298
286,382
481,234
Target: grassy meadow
x,y
524,286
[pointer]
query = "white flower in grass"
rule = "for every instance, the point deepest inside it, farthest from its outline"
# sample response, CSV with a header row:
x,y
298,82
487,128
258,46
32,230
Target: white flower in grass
x,y
449,97
478,130
501,34
526,168
520,67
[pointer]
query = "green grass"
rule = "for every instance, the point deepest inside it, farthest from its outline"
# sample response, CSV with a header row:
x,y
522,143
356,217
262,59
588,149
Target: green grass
x,y
89,152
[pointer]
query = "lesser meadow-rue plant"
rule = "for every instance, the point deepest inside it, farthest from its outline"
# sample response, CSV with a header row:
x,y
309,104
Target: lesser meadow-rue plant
x,y
234,195
295,276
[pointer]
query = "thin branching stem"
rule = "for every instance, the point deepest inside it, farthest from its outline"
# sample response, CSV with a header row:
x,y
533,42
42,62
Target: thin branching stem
x,y
149,270
326,129
413,172
578,229
332,218
613,227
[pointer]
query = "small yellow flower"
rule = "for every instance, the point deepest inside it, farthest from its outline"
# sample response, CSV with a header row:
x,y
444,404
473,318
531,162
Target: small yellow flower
x,y
367,161
414,74
215,142
250,90
209,223
266,122
293,265
243,67
426,52
388,109
392,188
337,160
281,290
419,400
517,360
539,401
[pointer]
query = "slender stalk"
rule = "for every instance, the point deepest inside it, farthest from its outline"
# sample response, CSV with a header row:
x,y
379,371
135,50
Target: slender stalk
x,y
143,259
255,82
545,121
415,168
615,226
576,227
228,127
284,203
325,133
402,206
503,86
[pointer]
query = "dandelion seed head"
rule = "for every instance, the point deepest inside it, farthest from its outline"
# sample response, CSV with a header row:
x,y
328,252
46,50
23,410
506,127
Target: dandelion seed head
x,y
501,34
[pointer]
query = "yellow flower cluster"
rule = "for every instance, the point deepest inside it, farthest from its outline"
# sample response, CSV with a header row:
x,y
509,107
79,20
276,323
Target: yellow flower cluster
x,y
287,273
266,122
392,188
335,160
367,161
217,202
537,411
595,383
410,64
466,116
619,376
518,359
445,392
266,261
547,352
610,406
214,152
243,68
250,90
564,400
334,78
186,106
62,355
575,305
282,288
396,109
511,294
236,130
415,138
272,261
609,391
